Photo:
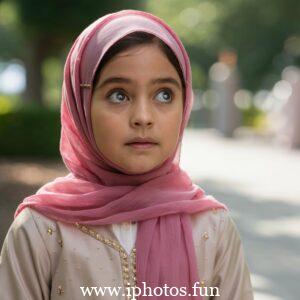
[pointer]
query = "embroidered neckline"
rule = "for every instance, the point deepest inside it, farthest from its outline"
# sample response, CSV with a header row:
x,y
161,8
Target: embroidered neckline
x,y
128,261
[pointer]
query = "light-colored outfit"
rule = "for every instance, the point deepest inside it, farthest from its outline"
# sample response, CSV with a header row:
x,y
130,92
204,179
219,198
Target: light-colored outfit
x,y
99,191
46,259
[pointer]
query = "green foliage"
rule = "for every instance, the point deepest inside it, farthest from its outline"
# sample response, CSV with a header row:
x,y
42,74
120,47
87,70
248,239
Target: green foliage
x,y
10,34
264,33
52,71
62,20
48,27
253,117
29,131
7,105
259,31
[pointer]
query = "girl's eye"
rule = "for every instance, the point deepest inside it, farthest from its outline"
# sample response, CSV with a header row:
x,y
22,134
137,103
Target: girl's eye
x,y
165,96
117,96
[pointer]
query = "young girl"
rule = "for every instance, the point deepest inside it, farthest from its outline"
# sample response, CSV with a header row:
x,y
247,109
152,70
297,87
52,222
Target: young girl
x,y
126,222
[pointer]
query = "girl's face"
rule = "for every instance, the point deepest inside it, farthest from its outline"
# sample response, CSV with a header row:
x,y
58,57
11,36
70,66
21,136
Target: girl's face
x,y
138,95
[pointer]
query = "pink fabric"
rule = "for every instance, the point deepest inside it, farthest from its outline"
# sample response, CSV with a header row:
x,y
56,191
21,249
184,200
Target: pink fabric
x,y
98,192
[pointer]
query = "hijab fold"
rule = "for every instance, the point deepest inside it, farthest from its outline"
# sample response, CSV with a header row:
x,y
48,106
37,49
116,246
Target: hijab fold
x,y
99,192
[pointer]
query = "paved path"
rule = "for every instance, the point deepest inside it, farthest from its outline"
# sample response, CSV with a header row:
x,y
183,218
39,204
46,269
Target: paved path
x,y
259,182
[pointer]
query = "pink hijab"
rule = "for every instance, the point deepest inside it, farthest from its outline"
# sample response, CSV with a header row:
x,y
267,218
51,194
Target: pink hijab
x,y
98,192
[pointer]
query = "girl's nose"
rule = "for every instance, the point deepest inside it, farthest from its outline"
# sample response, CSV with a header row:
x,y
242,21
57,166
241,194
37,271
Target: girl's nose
x,y
141,114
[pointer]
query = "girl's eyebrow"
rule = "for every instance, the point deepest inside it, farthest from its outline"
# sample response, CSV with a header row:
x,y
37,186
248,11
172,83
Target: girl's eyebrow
x,y
109,80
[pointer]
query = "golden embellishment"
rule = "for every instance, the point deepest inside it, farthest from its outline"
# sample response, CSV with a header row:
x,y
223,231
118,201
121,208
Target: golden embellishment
x,y
60,242
133,266
205,236
128,261
202,282
49,230
85,85
60,290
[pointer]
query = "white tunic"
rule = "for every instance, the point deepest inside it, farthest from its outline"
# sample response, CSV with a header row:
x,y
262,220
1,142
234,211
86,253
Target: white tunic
x,y
126,234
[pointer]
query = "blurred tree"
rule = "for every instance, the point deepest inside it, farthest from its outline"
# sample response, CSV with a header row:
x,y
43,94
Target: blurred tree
x,y
10,35
50,25
264,33
260,31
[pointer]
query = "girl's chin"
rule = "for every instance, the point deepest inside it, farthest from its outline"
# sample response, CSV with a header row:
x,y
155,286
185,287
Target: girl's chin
x,y
140,170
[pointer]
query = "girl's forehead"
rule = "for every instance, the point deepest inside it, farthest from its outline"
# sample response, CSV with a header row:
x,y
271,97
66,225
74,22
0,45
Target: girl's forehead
x,y
149,65
142,59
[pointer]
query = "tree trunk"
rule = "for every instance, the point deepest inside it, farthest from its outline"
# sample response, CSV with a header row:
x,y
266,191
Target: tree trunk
x,y
34,77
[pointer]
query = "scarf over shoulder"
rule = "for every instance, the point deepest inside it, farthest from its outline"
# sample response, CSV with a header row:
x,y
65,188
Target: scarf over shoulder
x,y
98,192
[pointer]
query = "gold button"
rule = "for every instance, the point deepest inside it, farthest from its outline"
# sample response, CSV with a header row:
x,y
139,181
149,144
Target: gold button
x,y
49,230
60,290
205,236
126,282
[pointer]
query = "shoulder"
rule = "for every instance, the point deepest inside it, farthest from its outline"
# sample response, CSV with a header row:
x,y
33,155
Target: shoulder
x,y
32,229
212,218
35,234
215,224
23,239
25,265
30,220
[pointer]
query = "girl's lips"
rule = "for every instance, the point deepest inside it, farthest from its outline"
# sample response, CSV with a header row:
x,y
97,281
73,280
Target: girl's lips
x,y
142,145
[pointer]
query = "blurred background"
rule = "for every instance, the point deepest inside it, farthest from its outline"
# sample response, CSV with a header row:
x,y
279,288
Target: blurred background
x,y
243,139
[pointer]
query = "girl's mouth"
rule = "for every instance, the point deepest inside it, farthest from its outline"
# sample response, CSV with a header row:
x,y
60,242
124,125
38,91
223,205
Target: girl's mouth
x,y
140,145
